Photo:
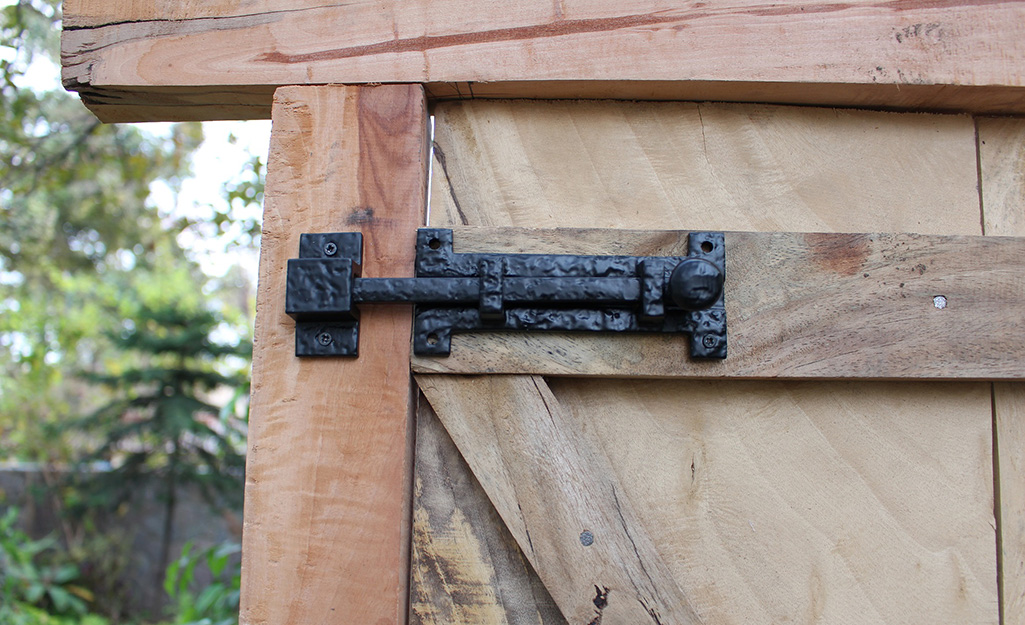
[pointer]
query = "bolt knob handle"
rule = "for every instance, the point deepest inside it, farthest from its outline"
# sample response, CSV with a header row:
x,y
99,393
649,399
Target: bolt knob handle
x,y
695,284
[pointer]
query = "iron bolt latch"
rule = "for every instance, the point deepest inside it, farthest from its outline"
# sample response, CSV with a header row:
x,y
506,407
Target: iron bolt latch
x,y
522,292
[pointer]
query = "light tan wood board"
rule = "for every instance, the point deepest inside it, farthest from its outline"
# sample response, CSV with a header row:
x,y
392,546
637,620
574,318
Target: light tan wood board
x,y
722,167
798,305
329,468
556,493
685,166
767,502
922,55
467,569
830,479
1002,169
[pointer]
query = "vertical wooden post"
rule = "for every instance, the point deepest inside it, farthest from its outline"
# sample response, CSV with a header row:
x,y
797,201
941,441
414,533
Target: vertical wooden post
x,y
326,535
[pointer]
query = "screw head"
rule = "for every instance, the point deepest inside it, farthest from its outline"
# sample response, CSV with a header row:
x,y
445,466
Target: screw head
x,y
586,538
709,341
330,249
324,338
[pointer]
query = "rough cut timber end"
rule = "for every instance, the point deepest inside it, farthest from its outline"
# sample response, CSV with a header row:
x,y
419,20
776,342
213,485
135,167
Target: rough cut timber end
x,y
146,61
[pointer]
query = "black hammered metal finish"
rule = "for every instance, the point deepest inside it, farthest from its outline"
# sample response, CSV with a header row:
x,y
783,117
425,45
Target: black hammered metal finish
x,y
520,292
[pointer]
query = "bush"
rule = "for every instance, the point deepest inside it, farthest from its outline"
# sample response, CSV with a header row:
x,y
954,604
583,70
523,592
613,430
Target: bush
x,y
217,604
34,581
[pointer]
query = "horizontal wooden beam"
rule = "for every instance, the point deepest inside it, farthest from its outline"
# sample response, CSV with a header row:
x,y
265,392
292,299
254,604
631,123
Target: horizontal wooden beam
x,y
145,60
798,305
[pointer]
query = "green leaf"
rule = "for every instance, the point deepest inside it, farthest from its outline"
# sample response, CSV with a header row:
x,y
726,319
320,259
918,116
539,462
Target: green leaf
x,y
65,574
208,597
34,592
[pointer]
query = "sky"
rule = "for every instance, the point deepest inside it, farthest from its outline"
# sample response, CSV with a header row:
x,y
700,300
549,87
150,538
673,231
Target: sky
x,y
224,156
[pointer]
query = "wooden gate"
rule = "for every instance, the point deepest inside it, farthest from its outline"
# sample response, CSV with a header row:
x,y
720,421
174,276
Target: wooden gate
x,y
706,501
850,462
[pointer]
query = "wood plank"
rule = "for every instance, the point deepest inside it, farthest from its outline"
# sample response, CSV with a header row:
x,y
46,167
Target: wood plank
x,y
1002,181
559,498
1009,425
907,466
776,502
710,167
798,306
946,56
329,473
1002,168
467,569
682,166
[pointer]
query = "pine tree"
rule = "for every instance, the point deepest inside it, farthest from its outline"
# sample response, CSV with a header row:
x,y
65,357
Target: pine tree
x,y
162,425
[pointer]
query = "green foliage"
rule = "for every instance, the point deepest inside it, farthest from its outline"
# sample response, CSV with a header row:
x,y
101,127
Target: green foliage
x,y
76,219
104,314
159,423
215,604
33,574
30,615
160,427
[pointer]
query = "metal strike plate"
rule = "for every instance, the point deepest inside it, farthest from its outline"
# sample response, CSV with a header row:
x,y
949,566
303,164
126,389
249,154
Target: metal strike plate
x,y
520,292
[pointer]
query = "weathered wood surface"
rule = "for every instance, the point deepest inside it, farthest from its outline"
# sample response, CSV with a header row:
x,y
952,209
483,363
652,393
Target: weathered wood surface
x,y
217,55
1002,172
559,498
1009,425
798,305
467,569
685,166
807,502
772,502
329,473
727,167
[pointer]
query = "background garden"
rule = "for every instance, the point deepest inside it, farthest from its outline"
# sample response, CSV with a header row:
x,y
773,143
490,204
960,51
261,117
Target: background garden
x,y
125,353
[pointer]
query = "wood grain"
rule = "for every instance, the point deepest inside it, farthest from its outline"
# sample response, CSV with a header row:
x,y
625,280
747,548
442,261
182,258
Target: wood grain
x,y
1009,424
947,56
1002,169
685,166
771,502
551,485
798,305
727,167
1002,173
466,569
329,473
805,502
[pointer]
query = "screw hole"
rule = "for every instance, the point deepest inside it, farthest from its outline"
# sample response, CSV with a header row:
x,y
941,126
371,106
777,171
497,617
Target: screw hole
x,y
939,302
707,247
432,339
434,244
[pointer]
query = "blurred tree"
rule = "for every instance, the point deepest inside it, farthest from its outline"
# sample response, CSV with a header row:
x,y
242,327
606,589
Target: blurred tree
x,y
102,312
75,216
160,425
